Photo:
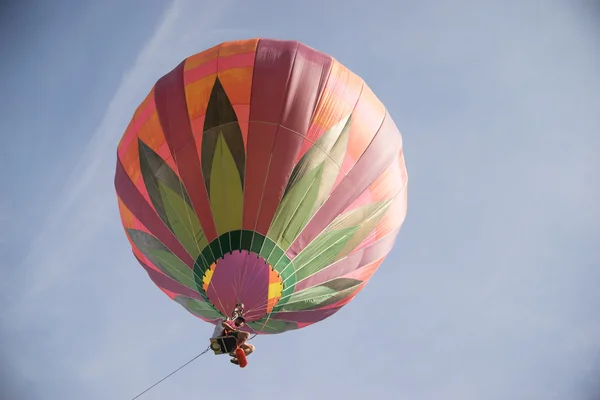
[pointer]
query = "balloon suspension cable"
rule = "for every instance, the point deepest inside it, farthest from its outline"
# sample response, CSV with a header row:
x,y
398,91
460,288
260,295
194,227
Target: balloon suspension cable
x,y
238,311
263,327
172,373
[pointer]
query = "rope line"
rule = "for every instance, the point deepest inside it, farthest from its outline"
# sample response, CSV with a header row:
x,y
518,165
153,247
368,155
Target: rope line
x,y
172,373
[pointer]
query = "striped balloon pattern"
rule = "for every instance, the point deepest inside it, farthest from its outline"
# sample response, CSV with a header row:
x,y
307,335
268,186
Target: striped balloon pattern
x,y
261,172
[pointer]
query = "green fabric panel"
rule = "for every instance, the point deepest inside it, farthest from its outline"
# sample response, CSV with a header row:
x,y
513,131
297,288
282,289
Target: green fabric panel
x,y
156,168
199,308
275,256
295,209
183,221
221,118
285,268
339,284
148,168
358,215
246,240
366,217
336,154
235,142
162,258
215,247
267,249
225,243
331,145
209,144
321,251
219,110
310,184
321,295
319,168
315,292
285,296
287,292
171,200
200,268
201,264
257,242
175,268
226,195
272,325
236,240
208,255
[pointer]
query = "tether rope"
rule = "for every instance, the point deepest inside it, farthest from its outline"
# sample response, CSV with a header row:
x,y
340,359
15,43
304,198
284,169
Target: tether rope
x,y
172,373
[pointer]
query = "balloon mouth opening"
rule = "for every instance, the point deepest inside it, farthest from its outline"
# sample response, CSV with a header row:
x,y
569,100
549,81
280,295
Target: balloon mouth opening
x,y
242,276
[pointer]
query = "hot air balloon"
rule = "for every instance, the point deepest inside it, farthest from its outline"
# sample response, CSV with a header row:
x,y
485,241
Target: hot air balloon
x,y
261,172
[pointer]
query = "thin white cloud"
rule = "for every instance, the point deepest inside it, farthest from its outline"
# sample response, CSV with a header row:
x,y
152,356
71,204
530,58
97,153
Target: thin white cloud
x,y
71,229
80,210
72,253
3,220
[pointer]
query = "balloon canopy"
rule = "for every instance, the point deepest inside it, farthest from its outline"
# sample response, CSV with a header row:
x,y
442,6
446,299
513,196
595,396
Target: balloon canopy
x,y
261,172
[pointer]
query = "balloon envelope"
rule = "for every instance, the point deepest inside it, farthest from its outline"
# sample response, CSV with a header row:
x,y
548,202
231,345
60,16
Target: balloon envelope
x,y
262,172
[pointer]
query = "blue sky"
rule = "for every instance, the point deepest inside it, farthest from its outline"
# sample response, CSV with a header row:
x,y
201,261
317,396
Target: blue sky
x,y
491,290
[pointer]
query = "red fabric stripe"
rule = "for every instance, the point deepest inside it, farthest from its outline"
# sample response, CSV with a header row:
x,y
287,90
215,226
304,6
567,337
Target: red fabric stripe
x,y
260,144
173,115
134,201
282,161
